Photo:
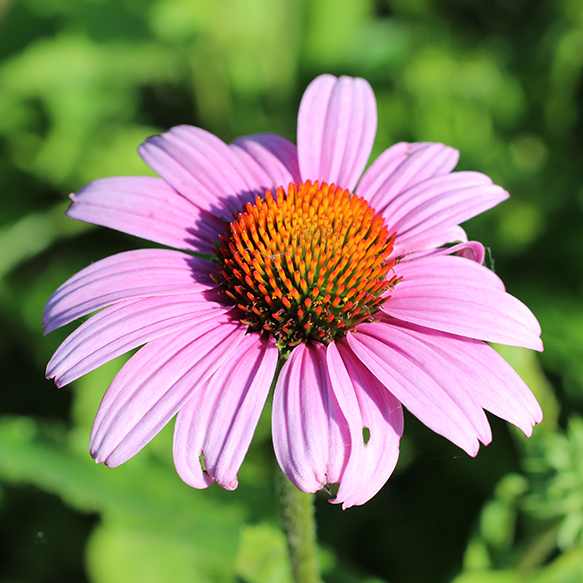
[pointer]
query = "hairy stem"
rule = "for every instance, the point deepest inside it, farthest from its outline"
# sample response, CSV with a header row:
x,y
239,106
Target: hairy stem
x,y
297,519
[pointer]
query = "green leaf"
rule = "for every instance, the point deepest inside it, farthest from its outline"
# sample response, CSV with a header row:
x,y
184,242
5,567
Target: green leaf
x,y
117,553
567,568
487,577
141,494
262,556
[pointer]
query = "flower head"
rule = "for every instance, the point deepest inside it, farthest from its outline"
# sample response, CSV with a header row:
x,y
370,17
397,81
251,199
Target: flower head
x,y
359,291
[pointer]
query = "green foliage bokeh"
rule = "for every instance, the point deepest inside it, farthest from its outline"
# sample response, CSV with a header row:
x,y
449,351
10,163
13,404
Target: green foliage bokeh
x,y
83,82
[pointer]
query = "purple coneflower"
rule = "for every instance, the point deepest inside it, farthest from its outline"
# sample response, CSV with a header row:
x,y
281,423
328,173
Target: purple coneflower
x,y
348,290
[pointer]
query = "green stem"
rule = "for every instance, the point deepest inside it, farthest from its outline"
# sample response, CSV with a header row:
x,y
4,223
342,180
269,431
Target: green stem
x,y
297,520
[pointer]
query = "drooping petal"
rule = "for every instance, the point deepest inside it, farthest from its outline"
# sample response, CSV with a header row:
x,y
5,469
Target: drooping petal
x,y
494,383
277,157
310,435
434,245
459,296
427,385
426,211
337,124
149,208
204,169
508,397
126,325
128,275
367,405
155,383
472,250
403,166
218,422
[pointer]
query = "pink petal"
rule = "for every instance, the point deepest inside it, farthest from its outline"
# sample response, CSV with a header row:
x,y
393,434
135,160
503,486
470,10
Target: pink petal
x,y
459,296
276,156
119,328
155,383
220,419
444,267
365,403
149,208
432,242
310,435
403,166
425,382
129,275
202,168
507,395
469,249
434,206
472,250
494,383
337,124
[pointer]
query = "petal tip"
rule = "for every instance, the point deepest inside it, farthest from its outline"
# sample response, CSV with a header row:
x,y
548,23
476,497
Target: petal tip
x,y
229,485
473,449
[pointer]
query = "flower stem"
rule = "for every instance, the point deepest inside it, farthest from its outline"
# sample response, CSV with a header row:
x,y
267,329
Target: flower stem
x,y
297,519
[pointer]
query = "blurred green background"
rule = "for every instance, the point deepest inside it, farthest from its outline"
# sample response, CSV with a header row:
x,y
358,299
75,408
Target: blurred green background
x,y
83,82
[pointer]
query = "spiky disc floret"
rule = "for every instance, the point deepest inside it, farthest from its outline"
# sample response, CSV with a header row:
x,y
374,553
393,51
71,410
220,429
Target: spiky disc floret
x,y
311,263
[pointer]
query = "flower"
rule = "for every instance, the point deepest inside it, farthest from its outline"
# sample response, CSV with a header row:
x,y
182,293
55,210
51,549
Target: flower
x,y
292,268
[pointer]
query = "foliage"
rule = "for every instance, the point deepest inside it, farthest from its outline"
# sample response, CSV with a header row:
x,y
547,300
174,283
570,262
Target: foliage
x,y
83,82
